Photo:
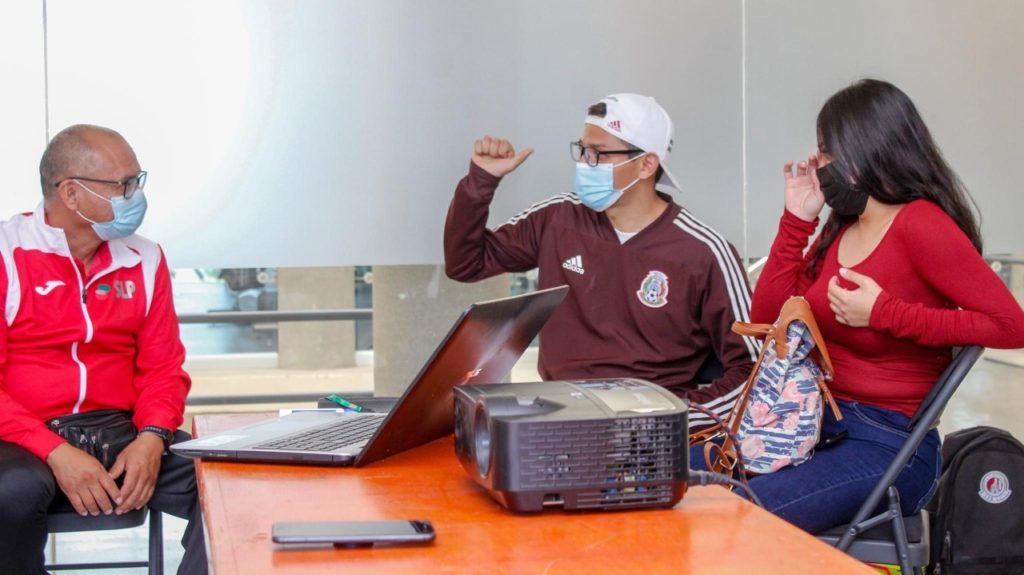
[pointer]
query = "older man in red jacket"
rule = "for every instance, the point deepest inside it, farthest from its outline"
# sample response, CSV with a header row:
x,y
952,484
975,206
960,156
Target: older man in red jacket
x,y
89,327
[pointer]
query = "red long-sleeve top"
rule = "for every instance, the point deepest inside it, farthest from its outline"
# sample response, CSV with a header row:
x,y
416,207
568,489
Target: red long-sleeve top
x,y
937,293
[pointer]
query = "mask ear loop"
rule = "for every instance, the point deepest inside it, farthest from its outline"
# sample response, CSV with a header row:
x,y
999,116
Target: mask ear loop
x,y
86,188
633,183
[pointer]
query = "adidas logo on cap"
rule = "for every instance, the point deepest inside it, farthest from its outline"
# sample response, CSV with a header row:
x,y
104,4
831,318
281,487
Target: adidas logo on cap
x,y
642,123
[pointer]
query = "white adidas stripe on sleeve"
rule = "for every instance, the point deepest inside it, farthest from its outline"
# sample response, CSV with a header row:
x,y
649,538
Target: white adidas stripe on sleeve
x,y
567,197
739,297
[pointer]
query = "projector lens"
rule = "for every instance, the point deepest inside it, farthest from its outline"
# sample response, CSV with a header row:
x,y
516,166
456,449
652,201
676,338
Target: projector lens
x,y
482,440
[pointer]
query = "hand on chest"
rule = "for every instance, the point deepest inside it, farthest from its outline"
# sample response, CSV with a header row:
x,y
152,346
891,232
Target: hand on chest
x,y
883,258
853,275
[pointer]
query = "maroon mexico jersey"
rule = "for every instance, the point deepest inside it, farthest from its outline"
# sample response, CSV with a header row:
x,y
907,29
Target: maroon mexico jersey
x,y
655,307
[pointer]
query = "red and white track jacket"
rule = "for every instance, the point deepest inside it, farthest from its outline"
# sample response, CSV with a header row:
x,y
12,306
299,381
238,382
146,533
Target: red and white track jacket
x,y
75,343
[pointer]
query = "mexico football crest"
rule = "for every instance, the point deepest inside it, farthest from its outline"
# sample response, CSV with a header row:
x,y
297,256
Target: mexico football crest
x,y
654,289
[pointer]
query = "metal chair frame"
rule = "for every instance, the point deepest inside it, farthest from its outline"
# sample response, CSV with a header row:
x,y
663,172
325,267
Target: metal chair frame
x,y
925,418
71,522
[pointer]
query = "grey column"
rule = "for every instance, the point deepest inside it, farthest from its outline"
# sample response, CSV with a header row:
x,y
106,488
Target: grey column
x,y
413,308
316,344
1017,281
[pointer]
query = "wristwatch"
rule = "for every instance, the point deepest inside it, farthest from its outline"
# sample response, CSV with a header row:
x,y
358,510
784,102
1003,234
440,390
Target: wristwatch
x,y
165,434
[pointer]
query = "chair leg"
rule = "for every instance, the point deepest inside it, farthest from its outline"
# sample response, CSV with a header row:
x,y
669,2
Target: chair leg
x,y
52,559
899,531
156,543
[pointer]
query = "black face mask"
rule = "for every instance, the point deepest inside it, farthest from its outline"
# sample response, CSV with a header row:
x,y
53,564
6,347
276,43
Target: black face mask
x,y
844,198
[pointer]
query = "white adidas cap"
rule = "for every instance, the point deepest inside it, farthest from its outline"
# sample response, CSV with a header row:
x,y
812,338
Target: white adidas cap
x,y
641,122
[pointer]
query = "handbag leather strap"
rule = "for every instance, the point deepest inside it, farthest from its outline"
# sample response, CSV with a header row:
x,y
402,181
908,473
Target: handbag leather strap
x,y
795,309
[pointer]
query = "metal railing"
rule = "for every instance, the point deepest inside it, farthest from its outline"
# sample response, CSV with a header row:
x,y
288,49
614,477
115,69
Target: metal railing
x,y
1005,258
251,399
276,316
246,317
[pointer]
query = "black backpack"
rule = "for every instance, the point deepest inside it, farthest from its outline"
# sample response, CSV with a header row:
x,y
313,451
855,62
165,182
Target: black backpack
x,y
978,511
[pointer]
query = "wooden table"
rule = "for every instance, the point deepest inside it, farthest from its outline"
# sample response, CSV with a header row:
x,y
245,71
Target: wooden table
x,y
710,531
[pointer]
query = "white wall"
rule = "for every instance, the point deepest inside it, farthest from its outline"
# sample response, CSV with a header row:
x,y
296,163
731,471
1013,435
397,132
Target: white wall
x,y
22,105
332,132
960,61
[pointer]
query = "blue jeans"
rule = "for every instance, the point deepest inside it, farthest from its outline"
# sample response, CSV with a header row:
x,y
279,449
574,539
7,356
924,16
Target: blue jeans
x,y
828,489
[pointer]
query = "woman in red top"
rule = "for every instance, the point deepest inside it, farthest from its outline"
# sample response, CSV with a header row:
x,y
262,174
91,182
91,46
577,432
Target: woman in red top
x,y
895,280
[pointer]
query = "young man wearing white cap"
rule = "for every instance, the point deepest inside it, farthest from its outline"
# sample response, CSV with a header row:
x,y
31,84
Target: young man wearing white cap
x,y
654,291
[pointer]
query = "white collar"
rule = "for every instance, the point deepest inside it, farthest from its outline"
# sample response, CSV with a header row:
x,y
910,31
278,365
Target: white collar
x,y
54,240
624,236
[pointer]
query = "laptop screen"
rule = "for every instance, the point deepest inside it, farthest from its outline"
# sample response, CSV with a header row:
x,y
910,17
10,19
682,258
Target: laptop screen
x,y
482,347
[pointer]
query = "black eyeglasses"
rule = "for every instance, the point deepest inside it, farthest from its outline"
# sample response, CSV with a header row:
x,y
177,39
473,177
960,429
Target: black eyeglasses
x,y
592,156
130,185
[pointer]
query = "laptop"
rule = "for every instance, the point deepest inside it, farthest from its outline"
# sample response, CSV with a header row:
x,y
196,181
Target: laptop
x,y
483,345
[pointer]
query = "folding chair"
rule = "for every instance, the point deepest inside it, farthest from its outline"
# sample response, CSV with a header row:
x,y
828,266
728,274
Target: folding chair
x,y
70,521
906,541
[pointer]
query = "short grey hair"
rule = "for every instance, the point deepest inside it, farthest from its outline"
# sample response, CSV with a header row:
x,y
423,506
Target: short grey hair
x,y
67,153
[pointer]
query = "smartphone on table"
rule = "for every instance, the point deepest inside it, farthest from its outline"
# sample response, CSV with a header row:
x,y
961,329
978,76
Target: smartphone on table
x,y
353,533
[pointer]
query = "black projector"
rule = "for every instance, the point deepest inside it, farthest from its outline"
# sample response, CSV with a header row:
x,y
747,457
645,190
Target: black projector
x,y
589,444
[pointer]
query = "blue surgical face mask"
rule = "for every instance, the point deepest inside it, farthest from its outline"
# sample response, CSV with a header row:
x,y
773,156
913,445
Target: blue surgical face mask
x,y
128,215
595,185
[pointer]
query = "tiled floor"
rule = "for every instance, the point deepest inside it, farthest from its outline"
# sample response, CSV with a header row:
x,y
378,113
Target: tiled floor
x,y
120,545
993,394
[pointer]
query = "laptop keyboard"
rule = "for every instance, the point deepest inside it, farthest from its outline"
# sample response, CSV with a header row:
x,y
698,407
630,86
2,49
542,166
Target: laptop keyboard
x,y
352,430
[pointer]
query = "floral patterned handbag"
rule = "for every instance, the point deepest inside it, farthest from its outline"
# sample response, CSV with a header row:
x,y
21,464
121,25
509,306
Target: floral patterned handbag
x,y
777,418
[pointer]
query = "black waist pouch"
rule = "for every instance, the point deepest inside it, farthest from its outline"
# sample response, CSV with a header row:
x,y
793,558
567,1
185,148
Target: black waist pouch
x,y
102,434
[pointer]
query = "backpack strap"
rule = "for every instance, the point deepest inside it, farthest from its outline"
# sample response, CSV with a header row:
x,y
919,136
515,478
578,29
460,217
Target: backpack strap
x,y
797,309
736,415
758,330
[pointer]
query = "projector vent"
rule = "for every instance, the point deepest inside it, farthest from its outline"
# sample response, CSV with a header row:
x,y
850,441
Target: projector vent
x,y
636,459
645,496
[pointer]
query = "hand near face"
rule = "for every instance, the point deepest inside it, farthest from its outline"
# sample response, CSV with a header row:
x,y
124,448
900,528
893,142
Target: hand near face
x,y
497,156
803,194
853,307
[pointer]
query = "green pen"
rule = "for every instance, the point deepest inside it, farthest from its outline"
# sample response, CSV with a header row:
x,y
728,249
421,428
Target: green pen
x,y
344,402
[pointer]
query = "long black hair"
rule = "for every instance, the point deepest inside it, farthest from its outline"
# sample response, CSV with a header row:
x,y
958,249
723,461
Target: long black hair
x,y
877,139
